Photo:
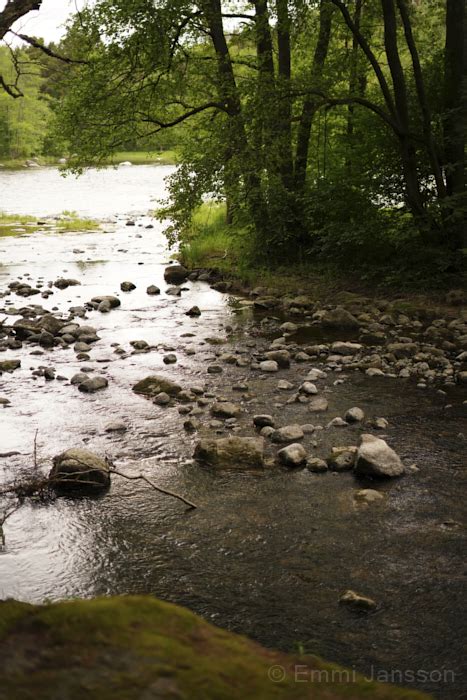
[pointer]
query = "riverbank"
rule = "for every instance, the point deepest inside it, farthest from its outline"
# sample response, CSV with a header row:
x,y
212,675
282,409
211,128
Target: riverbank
x,y
131,647
133,157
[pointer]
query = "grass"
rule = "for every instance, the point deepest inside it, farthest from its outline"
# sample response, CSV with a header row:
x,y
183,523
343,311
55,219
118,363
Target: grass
x,y
135,157
9,223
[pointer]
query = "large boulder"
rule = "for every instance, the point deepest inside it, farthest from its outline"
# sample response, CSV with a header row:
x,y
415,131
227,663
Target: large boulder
x,y
339,319
175,274
376,458
232,452
109,300
155,384
79,470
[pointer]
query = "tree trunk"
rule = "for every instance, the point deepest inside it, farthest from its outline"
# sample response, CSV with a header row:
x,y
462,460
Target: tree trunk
x,y
310,104
455,114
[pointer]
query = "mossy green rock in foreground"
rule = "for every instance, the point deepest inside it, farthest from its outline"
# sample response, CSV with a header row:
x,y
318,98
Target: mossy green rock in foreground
x,y
142,648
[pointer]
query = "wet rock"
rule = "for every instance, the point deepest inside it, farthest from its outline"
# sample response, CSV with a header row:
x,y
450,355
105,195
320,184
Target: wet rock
x,y
127,286
267,431
315,374
337,422
376,458
289,327
174,291
175,274
162,399
368,496
9,365
269,366
232,452
341,348
139,345
64,283
215,369
93,384
281,357
289,433
4,401
104,307
341,460
339,318
314,464
354,415
401,350
374,372
153,290
193,312
81,347
379,423
293,455
191,425
79,470
79,378
357,602
155,384
318,404
49,323
107,300
169,359
116,427
263,420
456,297
225,409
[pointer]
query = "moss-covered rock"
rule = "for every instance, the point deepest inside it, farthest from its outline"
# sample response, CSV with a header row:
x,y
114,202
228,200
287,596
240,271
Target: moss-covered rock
x,y
139,647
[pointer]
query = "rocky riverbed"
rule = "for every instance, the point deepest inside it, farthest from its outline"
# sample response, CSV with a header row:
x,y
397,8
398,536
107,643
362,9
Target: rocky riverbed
x,y
322,443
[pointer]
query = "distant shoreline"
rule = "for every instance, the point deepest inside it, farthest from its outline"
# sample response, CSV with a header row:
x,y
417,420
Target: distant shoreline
x,y
133,157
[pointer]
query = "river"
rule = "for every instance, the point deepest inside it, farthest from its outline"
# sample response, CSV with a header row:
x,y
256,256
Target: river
x,y
265,554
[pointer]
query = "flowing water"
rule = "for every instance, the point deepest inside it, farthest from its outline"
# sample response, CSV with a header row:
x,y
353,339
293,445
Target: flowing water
x,y
265,554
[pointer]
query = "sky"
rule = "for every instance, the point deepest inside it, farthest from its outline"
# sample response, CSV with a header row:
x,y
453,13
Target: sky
x,y
47,22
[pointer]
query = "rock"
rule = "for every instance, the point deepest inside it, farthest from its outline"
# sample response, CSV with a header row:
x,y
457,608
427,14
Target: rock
x,y
401,350
139,344
49,323
81,347
269,366
174,291
341,461
225,409
231,452
155,384
104,307
284,385
175,274
214,369
9,365
63,283
78,469
314,464
191,426
339,318
127,286
357,601
289,433
267,431
376,458
354,415
374,372
194,311
379,423
308,388
318,404
108,300
116,427
282,357
4,401
337,422
153,290
456,297
79,378
89,386
288,327
162,399
261,421
169,359
293,455
341,348
367,496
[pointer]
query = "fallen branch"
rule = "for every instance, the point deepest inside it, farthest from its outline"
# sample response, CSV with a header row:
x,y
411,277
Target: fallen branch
x,y
157,488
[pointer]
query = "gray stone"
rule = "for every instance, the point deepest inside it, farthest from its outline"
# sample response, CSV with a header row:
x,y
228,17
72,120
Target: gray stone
x,y
368,496
169,359
269,366
263,420
155,384
153,290
314,464
289,433
90,385
339,318
376,458
9,365
111,301
318,404
282,357
116,427
293,455
354,415
308,388
194,311
127,286
225,409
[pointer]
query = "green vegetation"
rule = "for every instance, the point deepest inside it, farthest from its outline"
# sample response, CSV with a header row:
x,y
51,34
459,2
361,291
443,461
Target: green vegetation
x,y
131,647
14,224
